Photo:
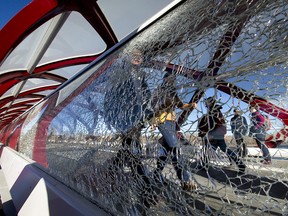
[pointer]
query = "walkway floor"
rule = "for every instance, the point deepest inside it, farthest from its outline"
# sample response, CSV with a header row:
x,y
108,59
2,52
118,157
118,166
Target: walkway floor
x,y
8,208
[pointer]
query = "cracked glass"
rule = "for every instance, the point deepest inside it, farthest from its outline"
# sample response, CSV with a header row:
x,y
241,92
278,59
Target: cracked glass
x,y
187,118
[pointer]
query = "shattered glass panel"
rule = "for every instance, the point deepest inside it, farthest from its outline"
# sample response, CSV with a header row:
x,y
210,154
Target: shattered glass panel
x,y
158,128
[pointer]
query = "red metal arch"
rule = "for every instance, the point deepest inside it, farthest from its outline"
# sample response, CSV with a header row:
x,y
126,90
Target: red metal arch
x,y
39,11
28,94
29,19
65,63
7,81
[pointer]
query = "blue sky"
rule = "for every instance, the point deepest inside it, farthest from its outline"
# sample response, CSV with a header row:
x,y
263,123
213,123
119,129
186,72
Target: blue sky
x,y
8,8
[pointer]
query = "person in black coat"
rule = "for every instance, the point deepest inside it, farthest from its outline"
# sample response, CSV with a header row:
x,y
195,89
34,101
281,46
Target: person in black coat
x,y
212,130
126,107
239,128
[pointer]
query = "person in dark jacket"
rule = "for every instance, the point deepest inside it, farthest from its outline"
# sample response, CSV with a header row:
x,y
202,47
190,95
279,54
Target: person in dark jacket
x,y
212,130
257,131
126,107
239,128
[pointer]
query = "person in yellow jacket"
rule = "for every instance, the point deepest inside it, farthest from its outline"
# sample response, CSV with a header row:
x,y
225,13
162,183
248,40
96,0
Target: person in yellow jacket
x,y
167,100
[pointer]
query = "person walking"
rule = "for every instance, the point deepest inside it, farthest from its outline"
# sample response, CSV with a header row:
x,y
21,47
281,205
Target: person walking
x,y
166,101
239,128
212,130
258,132
126,107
